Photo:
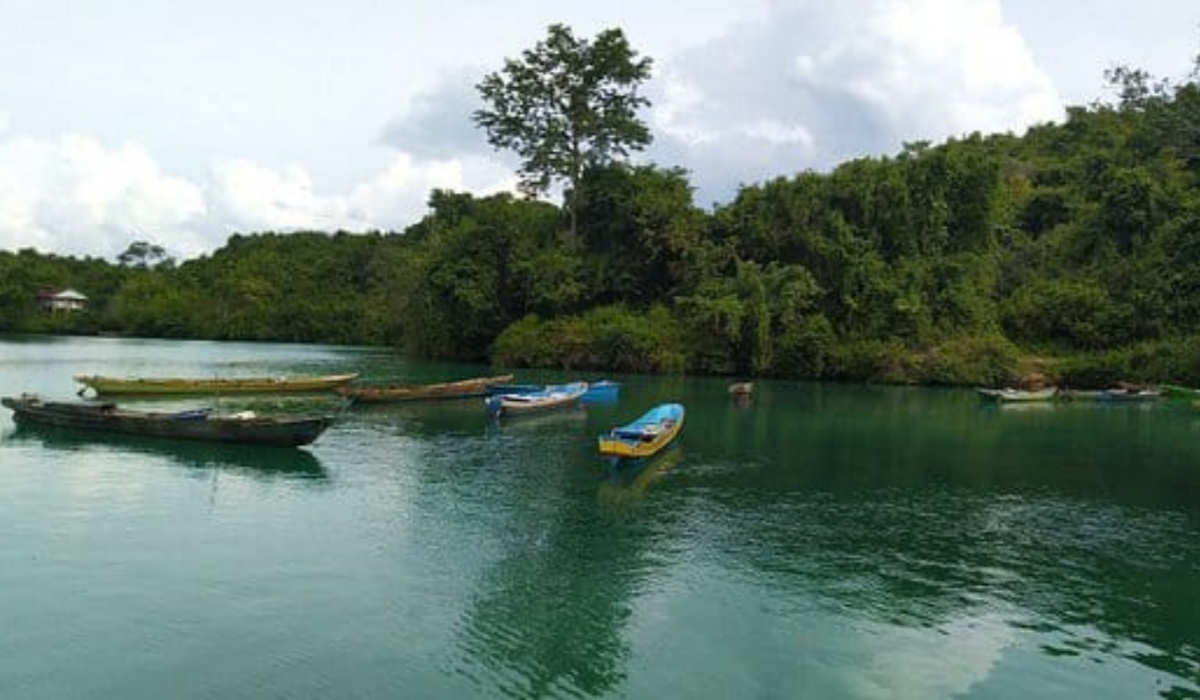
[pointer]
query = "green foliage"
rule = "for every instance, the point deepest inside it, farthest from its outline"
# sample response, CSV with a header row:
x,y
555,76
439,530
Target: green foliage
x,y
154,305
1175,360
982,360
1096,370
482,264
878,360
1067,314
605,338
637,227
947,263
143,254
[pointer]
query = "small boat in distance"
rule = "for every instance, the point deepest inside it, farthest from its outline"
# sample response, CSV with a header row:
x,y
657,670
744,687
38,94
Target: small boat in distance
x,y
1009,395
741,389
174,386
390,393
551,397
645,436
600,391
1130,393
245,427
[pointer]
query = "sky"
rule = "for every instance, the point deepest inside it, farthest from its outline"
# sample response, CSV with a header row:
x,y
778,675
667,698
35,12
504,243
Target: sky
x,y
183,122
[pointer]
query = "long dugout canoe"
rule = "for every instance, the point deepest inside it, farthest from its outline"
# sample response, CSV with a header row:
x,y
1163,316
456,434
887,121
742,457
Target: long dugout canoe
x,y
167,386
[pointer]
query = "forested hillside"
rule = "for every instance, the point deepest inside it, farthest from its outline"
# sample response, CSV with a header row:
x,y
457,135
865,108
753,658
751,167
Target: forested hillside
x,y
1073,250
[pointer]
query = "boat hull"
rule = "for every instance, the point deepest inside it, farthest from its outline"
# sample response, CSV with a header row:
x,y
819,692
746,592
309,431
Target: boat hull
x,y
291,431
1129,395
397,393
1017,395
646,436
602,392
175,386
551,398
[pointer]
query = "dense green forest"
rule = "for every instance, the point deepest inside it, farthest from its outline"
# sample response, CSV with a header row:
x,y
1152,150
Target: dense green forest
x,y
1073,250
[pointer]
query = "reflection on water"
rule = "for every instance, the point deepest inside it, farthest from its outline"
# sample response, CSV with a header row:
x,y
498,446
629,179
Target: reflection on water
x,y
564,418
548,616
450,417
822,541
254,460
1001,544
628,480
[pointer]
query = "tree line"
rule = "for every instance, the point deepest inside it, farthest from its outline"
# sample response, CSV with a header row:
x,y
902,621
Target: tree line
x,y
1071,251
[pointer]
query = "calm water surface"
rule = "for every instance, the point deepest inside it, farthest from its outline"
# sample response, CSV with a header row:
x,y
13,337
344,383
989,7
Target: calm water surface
x,y
824,541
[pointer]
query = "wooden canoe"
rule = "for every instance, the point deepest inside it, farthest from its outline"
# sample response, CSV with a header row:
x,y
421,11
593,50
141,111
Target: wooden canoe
x,y
645,436
170,386
387,393
245,427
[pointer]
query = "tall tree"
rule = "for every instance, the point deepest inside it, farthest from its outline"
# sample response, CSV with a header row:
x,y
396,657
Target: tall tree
x,y
143,255
567,104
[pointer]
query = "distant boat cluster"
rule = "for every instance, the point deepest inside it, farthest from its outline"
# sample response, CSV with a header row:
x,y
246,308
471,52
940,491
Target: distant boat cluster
x,y
1124,393
643,437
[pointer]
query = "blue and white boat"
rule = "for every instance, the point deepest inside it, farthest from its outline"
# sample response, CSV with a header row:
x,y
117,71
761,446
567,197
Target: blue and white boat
x,y
600,391
550,397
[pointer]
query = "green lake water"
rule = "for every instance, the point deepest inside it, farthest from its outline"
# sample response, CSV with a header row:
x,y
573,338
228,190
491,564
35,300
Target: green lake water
x,y
823,541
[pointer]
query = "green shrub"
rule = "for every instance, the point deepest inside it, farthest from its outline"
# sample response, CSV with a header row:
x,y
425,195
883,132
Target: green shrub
x,y
987,360
805,350
608,338
887,360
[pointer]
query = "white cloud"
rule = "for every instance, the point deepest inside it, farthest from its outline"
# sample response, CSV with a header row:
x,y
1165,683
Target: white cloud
x,y
246,196
813,85
678,99
75,194
778,133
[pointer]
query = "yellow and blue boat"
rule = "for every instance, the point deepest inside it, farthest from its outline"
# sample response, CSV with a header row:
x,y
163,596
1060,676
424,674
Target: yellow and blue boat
x,y
645,436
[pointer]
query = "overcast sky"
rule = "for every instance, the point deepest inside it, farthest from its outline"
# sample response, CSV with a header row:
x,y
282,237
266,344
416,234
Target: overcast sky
x,y
183,122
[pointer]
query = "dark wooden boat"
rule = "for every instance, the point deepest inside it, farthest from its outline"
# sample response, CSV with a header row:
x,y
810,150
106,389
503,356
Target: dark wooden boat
x,y
244,427
390,393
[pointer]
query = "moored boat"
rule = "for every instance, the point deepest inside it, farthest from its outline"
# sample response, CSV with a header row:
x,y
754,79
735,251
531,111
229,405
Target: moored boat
x,y
645,436
1009,395
551,397
245,427
600,391
170,386
393,393
741,389
1131,394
